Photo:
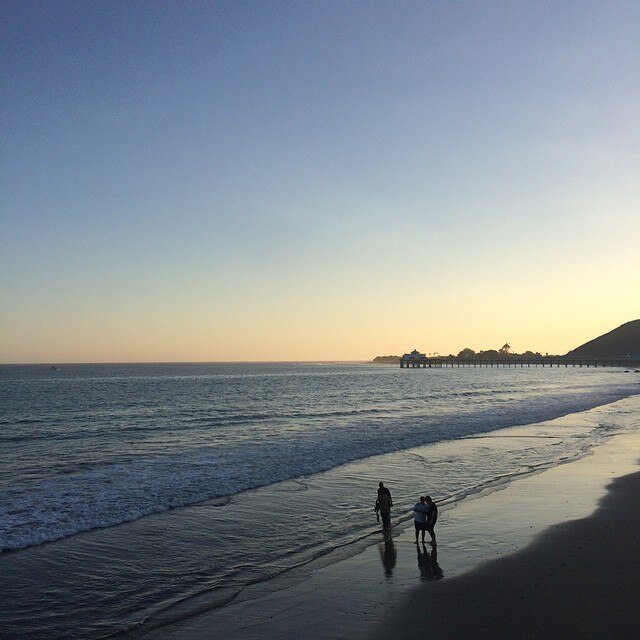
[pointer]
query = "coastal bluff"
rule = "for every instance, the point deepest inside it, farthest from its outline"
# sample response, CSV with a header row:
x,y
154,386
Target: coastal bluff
x,y
621,342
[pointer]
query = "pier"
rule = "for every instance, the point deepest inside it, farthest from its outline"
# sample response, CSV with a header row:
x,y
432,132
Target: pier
x,y
421,361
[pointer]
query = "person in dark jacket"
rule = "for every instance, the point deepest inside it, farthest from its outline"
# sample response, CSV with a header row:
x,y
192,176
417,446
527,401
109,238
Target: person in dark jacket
x,y
383,505
432,517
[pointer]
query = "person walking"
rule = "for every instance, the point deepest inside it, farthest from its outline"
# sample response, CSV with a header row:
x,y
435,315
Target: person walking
x,y
420,517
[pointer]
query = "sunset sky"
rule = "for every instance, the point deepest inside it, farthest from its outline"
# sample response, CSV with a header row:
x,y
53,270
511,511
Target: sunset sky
x,y
281,180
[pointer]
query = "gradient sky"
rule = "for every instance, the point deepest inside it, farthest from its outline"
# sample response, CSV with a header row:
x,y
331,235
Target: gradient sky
x,y
214,181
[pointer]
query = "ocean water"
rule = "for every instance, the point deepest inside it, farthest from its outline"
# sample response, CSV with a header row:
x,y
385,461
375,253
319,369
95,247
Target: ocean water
x,y
132,496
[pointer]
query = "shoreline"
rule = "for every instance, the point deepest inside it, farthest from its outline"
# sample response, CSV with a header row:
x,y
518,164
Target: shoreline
x,y
377,592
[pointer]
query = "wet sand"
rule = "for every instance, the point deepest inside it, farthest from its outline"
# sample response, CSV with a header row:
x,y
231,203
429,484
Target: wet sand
x,y
550,555
577,580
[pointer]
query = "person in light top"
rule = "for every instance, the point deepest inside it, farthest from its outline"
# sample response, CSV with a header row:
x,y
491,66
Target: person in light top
x,y
420,517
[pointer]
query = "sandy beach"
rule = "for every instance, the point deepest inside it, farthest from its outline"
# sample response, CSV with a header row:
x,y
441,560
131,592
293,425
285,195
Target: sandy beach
x,y
551,555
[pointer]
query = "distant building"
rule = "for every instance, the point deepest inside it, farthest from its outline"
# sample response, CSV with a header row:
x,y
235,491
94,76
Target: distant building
x,y
414,359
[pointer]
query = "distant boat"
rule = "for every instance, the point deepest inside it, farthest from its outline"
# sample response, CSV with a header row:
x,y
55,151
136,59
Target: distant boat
x,y
54,369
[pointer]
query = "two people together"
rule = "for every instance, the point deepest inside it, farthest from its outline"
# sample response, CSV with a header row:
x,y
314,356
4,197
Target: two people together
x,y
425,513
425,517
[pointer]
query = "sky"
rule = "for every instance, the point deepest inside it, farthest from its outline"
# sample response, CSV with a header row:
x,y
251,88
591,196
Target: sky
x,y
315,180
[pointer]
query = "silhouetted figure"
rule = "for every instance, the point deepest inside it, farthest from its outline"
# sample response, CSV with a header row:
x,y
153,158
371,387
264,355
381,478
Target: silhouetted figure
x,y
382,490
383,505
432,517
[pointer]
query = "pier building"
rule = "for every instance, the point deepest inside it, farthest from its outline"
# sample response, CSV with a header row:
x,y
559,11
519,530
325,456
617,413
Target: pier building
x,y
414,359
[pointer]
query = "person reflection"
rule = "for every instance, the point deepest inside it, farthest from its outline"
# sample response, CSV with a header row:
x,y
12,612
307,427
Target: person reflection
x,y
436,571
388,554
428,563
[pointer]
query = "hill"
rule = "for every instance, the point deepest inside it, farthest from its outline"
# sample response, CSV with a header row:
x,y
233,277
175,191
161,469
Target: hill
x,y
623,341
387,360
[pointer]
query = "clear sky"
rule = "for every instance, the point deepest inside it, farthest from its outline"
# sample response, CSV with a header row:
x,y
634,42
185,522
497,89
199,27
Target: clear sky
x,y
280,180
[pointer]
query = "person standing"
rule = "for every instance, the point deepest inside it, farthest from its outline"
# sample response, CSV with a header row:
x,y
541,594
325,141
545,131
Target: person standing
x,y
383,505
432,517
382,489
420,517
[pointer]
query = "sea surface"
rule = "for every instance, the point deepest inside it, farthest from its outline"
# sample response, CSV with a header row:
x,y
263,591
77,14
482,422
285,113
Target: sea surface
x,y
133,496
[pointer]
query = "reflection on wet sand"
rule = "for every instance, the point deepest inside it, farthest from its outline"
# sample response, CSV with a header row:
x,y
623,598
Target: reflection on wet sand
x,y
388,554
427,559
428,563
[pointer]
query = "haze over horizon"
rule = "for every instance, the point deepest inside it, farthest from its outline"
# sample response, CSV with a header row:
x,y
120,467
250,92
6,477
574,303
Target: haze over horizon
x,y
288,181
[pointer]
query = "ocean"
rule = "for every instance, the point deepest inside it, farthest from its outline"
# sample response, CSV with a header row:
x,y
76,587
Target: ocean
x,y
133,496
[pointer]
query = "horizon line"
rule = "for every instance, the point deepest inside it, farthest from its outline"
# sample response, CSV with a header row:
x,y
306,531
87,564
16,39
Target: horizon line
x,y
104,362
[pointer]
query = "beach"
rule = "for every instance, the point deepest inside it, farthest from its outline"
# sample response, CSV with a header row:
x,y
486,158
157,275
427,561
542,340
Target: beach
x,y
551,555
577,580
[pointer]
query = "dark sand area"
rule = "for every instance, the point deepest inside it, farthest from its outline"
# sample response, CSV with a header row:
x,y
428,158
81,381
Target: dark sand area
x,y
579,579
